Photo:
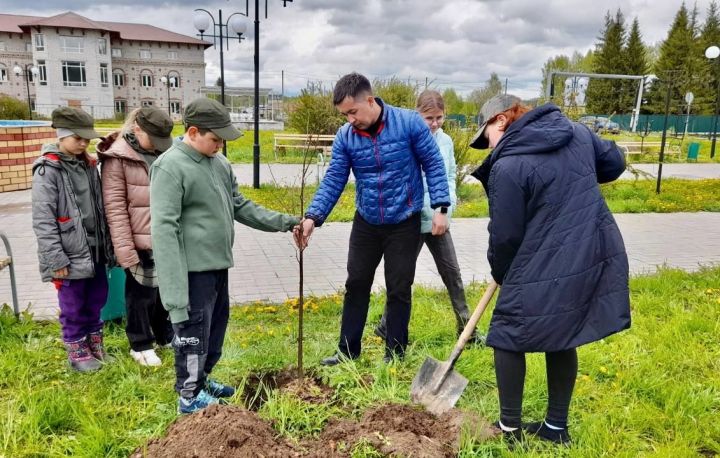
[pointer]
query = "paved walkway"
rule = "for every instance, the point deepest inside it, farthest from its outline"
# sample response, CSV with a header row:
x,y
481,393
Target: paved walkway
x,y
266,266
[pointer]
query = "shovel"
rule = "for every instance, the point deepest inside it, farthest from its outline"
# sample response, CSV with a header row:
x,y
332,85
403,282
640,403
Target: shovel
x,y
437,386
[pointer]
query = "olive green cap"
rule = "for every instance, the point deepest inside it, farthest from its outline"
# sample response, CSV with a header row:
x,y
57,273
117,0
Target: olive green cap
x,y
210,114
75,120
158,125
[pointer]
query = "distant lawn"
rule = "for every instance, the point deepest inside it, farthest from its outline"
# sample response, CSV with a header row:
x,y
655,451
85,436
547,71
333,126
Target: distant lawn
x,y
626,196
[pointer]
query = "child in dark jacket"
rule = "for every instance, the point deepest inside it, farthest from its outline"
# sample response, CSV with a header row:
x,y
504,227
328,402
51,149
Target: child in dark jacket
x,y
73,244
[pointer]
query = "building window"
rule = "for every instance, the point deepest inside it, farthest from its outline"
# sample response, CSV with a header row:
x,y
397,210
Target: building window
x,y
120,106
2,46
28,46
118,78
3,73
146,103
74,73
32,104
42,72
102,46
175,107
145,54
30,76
174,80
146,79
103,75
116,52
172,55
71,44
39,42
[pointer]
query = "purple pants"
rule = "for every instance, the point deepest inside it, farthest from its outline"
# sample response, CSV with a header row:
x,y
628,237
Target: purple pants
x,y
80,304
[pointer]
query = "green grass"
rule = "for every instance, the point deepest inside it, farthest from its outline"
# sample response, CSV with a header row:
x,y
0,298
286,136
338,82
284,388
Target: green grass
x,y
653,390
653,153
626,196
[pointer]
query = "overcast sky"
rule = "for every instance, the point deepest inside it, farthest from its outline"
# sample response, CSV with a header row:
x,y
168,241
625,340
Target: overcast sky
x,y
455,43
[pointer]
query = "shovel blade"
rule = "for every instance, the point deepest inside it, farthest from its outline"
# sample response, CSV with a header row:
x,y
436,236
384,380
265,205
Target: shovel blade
x,y
429,389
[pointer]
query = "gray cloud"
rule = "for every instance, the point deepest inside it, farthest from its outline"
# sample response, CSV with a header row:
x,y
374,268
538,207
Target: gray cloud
x,y
455,43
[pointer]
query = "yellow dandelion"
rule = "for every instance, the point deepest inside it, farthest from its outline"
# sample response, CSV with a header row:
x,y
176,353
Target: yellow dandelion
x,y
393,371
603,369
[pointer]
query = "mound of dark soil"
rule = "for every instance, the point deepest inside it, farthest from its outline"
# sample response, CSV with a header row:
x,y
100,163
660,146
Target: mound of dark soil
x,y
219,432
403,430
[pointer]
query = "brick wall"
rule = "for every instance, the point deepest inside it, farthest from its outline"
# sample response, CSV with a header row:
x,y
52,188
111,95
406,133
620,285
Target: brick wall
x,y
19,147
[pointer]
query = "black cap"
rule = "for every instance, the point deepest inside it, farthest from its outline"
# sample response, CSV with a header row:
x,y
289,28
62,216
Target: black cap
x,y
210,114
75,120
158,125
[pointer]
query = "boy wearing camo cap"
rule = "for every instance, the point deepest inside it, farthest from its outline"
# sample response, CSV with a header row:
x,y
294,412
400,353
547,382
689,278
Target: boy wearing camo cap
x,y
72,235
194,200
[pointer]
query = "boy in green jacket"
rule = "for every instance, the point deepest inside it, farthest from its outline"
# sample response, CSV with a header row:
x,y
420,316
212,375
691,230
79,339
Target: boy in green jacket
x,y
194,200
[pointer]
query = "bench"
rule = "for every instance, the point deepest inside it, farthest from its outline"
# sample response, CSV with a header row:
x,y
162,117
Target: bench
x,y
308,142
7,261
633,148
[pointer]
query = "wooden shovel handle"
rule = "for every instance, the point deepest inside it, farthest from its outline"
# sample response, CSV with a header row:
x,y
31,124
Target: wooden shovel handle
x,y
472,323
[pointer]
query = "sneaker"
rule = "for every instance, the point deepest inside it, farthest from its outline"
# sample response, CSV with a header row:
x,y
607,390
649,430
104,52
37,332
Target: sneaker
x,y
541,430
146,357
219,390
335,359
199,402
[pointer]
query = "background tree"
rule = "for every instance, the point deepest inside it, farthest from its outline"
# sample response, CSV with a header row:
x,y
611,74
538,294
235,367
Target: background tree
x,y
313,112
397,92
679,62
636,64
709,36
12,108
606,95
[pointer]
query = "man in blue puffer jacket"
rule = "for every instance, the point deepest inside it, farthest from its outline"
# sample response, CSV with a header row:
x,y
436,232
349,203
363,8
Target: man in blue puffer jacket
x,y
387,149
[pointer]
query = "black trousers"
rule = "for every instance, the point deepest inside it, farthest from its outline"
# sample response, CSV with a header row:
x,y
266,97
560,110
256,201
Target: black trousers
x,y
368,244
443,252
198,342
561,369
147,320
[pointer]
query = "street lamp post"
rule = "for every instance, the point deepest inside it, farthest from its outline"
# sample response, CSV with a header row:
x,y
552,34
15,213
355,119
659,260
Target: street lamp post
x,y
27,70
221,31
713,52
168,81
202,24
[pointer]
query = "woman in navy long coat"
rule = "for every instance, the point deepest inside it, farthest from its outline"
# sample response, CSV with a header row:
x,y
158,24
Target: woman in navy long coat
x,y
555,249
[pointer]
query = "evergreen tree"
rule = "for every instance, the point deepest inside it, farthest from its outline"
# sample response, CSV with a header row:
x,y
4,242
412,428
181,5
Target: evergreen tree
x,y
636,64
704,102
605,95
678,64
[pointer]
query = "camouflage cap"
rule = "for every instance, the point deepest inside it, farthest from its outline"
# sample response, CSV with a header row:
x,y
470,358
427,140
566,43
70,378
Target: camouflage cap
x,y
158,125
210,114
76,120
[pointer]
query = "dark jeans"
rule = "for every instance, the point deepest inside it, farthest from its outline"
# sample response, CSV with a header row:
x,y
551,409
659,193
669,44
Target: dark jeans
x,y
80,304
368,244
147,320
561,369
443,252
198,342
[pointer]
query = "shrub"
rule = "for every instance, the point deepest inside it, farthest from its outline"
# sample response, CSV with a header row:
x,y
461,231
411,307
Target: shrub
x,y
12,108
313,112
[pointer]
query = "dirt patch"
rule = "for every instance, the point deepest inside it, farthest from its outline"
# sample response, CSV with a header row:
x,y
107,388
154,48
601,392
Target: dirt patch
x,y
393,430
309,389
403,430
219,432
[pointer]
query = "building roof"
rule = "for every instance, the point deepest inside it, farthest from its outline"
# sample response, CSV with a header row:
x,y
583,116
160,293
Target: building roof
x,y
126,31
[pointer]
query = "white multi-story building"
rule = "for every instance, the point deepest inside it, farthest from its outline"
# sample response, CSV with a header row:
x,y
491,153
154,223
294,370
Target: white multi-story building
x,y
103,67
